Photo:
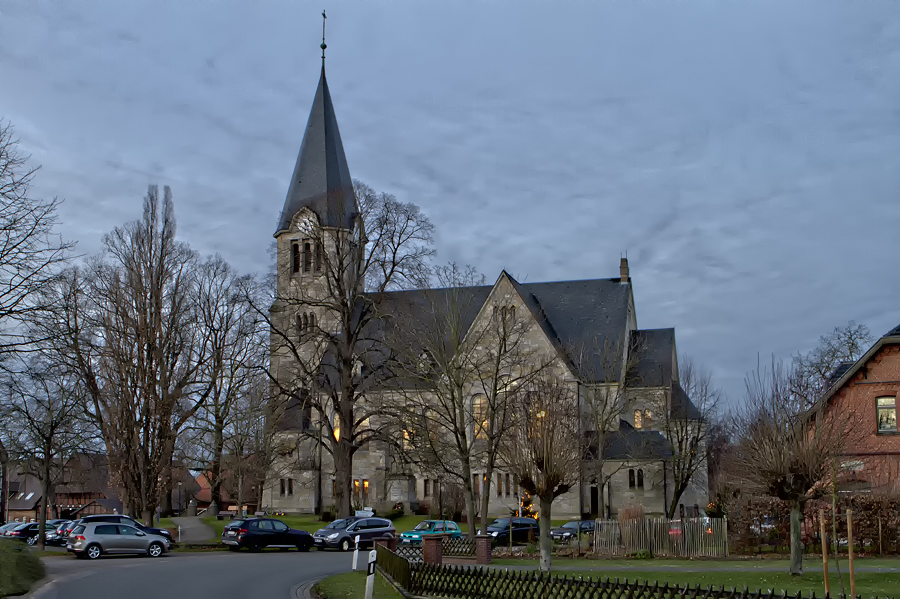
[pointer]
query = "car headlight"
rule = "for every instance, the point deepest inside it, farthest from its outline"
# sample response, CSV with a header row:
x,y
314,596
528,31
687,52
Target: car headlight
x,y
333,536
493,533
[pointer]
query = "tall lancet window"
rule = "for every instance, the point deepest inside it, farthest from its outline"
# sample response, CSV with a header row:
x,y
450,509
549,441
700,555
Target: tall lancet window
x,y
295,257
307,256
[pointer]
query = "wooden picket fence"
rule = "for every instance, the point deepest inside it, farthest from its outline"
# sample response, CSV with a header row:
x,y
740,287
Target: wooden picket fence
x,y
662,537
474,582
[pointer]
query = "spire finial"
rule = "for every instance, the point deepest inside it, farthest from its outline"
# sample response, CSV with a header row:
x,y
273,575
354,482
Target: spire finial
x,y
323,39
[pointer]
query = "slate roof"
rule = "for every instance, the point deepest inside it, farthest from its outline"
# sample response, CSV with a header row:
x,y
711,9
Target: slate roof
x,y
895,332
682,407
321,179
655,350
628,443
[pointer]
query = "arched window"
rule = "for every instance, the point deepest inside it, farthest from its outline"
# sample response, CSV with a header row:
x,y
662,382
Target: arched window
x,y
295,257
648,418
631,478
307,256
312,320
300,322
480,415
638,419
640,479
318,257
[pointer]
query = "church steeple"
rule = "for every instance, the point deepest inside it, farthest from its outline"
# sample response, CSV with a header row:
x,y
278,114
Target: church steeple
x,y
321,179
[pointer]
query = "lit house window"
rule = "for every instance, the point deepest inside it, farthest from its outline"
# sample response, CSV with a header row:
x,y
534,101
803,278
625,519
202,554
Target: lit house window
x,y
886,408
638,419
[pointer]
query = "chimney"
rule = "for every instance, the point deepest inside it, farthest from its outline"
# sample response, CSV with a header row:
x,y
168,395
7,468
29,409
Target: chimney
x,y
623,270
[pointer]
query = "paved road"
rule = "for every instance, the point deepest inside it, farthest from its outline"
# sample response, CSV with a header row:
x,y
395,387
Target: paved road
x,y
214,575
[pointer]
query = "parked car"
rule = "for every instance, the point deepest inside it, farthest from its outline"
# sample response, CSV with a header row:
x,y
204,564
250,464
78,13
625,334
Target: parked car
x,y
569,530
258,533
430,527
93,539
523,530
128,521
341,533
7,527
57,536
69,527
27,532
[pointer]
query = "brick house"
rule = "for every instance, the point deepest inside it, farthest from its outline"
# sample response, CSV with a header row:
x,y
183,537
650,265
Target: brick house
x,y
868,390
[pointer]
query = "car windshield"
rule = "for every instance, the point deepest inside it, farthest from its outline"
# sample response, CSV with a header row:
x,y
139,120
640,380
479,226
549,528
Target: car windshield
x,y
425,526
500,523
23,525
340,524
236,524
571,525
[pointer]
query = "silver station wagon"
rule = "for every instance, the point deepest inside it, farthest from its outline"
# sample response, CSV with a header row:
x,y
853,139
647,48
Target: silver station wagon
x,y
93,539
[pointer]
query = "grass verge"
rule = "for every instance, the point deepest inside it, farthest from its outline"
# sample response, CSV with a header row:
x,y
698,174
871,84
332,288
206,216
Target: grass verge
x,y
19,568
352,585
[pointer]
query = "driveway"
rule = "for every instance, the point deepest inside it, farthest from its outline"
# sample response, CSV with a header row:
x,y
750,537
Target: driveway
x,y
213,575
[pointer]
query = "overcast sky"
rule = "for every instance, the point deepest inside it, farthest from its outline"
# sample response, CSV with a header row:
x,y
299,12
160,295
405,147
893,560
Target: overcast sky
x,y
746,154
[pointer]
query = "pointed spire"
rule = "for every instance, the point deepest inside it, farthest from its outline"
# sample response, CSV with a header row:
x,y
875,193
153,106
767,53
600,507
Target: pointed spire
x,y
321,179
323,46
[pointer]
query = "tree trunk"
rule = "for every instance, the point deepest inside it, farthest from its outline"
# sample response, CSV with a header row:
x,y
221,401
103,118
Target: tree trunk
x,y
215,470
343,463
485,499
45,493
545,506
796,541
470,498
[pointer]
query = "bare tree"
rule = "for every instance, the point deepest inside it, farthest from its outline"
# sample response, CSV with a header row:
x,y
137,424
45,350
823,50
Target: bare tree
x,y
235,352
784,449
31,253
47,406
543,448
812,372
325,343
684,418
128,326
455,372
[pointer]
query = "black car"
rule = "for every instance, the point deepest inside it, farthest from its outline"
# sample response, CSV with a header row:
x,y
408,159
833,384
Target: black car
x,y
128,521
523,530
27,532
341,534
258,533
57,537
569,530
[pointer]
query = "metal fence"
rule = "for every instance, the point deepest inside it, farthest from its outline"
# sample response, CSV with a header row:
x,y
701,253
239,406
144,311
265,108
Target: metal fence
x,y
662,537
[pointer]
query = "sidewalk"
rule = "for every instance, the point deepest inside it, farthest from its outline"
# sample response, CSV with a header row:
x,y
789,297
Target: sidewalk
x,y
194,530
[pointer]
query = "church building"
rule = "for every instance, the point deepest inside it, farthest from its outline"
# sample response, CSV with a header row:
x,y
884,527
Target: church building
x,y
567,319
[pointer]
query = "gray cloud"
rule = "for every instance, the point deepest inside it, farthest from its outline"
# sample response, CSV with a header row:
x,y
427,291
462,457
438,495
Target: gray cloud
x,y
745,155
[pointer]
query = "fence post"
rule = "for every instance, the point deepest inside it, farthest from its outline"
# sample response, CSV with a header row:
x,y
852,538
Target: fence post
x,y
483,549
432,549
850,552
824,550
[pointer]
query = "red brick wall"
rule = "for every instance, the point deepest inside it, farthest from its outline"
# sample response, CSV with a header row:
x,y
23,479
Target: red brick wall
x,y
880,453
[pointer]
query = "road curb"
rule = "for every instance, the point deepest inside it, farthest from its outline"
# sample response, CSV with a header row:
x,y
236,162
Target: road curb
x,y
304,590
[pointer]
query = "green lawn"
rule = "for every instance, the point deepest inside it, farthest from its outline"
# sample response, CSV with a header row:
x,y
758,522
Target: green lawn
x,y
749,564
352,585
867,584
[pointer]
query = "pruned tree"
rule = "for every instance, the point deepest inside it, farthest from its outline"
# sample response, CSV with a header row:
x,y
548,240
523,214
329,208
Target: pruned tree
x,y
543,448
811,374
684,418
325,324
128,327
47,405
31,253
783,449
455,372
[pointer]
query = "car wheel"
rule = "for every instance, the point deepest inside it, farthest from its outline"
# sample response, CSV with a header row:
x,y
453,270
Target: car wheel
x,y
304,547
255,548
345,545
155,550
32,540
93,551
